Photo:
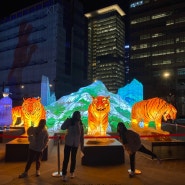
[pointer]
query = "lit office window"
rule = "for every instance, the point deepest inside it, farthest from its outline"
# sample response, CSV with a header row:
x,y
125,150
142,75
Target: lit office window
x,y
157,35
163,52
140,20
180,50
142,55
180,20
138,3
145,36
161,15
180,39
169,22
161,62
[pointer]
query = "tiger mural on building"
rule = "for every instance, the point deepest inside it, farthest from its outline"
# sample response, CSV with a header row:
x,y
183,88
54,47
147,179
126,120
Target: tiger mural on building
x,y
153,109
30,112
98,112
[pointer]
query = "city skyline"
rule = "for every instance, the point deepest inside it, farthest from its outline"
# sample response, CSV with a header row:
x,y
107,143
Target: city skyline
x,y
8,6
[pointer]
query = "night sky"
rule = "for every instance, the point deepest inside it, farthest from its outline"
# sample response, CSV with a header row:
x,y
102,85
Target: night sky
x,y
9,6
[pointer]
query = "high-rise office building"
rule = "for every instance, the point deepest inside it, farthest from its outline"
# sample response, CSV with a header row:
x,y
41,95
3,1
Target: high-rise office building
x,y
157,49
47,39
106,36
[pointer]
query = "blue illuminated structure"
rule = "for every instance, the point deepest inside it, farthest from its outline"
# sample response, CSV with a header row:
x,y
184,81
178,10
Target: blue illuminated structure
x,y
5,109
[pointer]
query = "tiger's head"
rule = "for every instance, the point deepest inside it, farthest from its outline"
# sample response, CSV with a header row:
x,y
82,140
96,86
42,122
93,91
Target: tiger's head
x,y
101,103
170,112
32,107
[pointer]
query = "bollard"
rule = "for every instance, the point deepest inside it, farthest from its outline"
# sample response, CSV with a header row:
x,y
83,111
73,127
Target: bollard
x,y
58,173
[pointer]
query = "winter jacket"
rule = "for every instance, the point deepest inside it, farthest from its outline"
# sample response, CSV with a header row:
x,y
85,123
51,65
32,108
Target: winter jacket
x,y
131,140
75,133
38,138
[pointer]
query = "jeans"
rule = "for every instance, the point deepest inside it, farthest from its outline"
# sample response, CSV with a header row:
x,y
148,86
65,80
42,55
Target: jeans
x,y
69,150
33,156
143,150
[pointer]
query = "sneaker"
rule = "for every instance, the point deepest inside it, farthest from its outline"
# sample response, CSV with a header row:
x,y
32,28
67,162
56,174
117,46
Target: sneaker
x,y
64,178
72,175
38,173
23,175
131,174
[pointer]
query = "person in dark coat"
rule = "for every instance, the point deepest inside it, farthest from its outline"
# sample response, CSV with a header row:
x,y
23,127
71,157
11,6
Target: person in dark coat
x,y
132,143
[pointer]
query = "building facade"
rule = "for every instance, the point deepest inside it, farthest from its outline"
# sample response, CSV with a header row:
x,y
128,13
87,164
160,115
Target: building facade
x,y
157,49
47,39
106,36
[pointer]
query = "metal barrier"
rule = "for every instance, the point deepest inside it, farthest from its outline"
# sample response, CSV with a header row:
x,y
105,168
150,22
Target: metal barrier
x,y
58,173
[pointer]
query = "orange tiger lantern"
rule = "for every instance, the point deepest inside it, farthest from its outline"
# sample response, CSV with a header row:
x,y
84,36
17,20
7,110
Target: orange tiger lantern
x,y
98,112
30,112
153,109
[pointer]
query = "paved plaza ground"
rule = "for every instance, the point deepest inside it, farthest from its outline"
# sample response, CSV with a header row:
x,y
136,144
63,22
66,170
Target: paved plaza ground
x,y
169,172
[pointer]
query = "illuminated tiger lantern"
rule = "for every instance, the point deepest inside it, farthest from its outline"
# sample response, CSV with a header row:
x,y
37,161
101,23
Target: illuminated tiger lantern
x,y
30,112
98,112
153,109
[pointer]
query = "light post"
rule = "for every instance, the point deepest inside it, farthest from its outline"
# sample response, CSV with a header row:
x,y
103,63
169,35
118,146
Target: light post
x,y
166,76
170,94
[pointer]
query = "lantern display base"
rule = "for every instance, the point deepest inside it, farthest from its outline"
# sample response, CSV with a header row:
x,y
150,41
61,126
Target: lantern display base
x,y
106,151
173,149
10,133
17,150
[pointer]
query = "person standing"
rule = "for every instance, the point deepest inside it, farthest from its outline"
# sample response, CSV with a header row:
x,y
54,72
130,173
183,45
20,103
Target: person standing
x,y
38,138
73,138
132,143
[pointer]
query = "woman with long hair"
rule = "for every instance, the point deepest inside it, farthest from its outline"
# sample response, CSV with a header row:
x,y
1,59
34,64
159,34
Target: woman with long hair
x,y
132,143
73,138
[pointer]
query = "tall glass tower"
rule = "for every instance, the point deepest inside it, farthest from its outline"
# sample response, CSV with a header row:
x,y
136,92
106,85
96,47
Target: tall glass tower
x,y
106,40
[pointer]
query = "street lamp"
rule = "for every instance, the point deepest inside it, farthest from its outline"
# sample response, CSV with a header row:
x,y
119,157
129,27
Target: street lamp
x,y
170,95
166,75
